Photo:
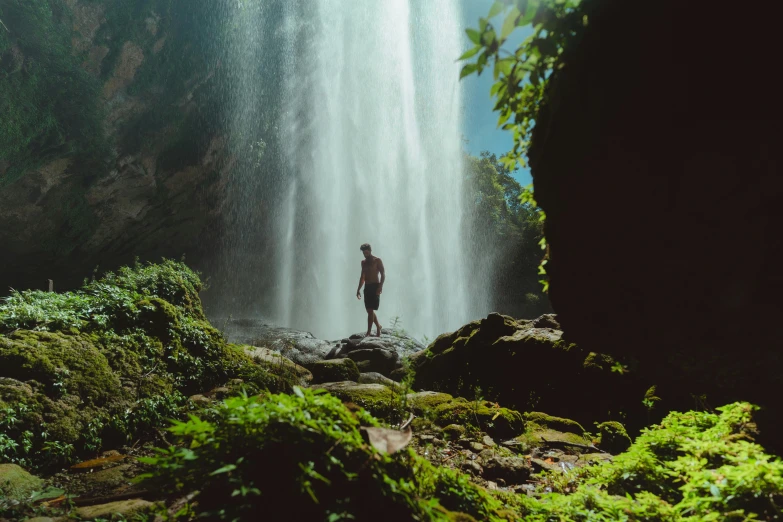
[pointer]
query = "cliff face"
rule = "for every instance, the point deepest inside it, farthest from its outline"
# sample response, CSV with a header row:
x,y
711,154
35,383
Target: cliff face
x,y
116,140
657,164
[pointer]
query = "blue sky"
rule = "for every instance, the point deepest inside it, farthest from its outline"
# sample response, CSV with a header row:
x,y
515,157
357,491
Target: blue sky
x,y
480,122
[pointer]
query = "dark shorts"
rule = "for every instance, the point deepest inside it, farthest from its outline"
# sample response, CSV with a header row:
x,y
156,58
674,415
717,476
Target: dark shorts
x,y
371,298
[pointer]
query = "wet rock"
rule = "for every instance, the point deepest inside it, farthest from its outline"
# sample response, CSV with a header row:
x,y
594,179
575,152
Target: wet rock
x,y
398,374
16,483
375,360
378,354
547,321
454,431
511,469
334,370
471,466
377,378
278,364
300,347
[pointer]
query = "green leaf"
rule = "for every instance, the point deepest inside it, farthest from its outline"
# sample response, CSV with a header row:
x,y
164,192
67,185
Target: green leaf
x,y
496,8
530,12
224,469
474,36
298,392
468,69
509,23
470,52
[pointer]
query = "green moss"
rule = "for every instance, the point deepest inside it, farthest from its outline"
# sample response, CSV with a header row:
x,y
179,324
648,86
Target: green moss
x,y
423,402
16,483
335,370
481,415
613,437
110,362
543,420
65,364
158,317
536,436
454,431
443,410
379,400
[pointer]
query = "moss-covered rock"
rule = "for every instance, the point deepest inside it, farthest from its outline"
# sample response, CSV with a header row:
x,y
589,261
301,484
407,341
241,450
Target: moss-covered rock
x,y
16,483
121,509
537,419
526,365
65,364
379,400
113,361
613,437
443,410
454,431
334,370
278,364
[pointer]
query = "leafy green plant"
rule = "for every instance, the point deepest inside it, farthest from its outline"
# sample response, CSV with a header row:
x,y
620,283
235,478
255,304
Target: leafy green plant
x,y
521,74
323,469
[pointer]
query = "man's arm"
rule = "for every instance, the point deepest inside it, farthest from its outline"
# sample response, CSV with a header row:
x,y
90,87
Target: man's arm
x,y
382,270
361,282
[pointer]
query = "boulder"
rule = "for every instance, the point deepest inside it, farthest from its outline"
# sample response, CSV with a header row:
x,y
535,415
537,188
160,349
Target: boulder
x,y
445,410
612,437
278,364
513,470
378,399
375,360
526,365
298,346
382,354
334,370
375,377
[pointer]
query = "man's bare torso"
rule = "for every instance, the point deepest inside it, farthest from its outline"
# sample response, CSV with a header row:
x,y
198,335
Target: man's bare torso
x,y
370,269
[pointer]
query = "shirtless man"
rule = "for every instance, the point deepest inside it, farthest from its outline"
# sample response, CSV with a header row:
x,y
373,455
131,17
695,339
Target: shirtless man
x,y
371,265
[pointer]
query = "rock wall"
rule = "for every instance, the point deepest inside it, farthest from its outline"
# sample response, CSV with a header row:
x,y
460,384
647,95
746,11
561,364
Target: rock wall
x,y
656,160
148,167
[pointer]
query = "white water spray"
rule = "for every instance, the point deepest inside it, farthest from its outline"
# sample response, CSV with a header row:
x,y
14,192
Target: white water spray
x,y
373,134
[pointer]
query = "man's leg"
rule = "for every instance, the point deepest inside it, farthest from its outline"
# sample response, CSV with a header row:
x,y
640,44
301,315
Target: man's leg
x,y
377,324
370,319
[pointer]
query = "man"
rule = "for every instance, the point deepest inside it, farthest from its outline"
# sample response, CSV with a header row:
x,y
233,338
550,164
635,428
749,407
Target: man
x,y
371,266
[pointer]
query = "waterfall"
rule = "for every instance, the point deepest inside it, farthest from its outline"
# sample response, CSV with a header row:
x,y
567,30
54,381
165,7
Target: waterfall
x,y
372,143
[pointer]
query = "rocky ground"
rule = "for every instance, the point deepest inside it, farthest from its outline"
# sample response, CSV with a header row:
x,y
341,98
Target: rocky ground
x,y
479,425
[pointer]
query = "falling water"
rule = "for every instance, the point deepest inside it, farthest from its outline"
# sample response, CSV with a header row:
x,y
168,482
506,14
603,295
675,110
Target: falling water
x,y
372,133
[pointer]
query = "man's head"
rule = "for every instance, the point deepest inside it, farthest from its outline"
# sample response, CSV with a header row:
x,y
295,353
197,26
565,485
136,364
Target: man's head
x,y
366,250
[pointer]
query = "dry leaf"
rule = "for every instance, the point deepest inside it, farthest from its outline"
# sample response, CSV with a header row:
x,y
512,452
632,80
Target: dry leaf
x,y
386,440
